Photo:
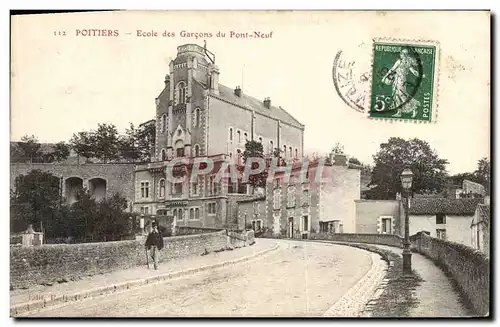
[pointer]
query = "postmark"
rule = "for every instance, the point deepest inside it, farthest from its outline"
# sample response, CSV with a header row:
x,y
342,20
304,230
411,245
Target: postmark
x,y
351,77
404,80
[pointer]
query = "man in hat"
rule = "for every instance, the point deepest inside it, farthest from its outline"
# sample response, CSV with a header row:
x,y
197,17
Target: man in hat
x,y
154,243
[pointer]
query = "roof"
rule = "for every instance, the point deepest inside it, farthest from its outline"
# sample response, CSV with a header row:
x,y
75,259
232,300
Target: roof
x,y
448,206
252,103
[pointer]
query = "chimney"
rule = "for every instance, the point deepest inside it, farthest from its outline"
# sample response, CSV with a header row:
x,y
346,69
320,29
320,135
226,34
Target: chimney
x,y
267,103
214,79
237,91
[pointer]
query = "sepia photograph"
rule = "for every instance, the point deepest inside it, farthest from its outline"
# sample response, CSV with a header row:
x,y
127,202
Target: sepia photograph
x,y
242,164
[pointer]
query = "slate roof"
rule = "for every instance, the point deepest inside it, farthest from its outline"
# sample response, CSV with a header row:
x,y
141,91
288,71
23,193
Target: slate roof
x,y
249,102
447,206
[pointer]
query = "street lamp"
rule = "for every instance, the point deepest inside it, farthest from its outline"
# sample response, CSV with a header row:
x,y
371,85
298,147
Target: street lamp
x,y
406,180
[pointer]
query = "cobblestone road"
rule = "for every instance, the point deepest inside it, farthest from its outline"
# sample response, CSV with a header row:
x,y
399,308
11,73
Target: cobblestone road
x,y
299,279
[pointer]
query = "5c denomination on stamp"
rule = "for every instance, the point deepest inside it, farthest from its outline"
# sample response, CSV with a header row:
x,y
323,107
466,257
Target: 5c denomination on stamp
x,y
404,80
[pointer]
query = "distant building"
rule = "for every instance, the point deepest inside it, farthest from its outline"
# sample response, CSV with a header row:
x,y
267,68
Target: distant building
x,y
379,217
443,218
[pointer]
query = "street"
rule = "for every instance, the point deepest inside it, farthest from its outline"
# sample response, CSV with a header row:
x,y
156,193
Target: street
x,y
299,279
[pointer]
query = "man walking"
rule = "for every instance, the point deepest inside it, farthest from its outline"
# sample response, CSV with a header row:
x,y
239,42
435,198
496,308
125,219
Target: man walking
x,y
154,243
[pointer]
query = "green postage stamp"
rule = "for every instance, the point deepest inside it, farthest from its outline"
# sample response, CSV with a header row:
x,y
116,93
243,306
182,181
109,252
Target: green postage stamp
x,y
404,80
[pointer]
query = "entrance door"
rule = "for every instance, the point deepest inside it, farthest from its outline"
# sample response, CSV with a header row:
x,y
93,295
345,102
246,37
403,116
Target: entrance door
x,y
290,227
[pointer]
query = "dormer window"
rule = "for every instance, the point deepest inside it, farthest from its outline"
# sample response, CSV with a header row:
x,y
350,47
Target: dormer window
x,y
181,93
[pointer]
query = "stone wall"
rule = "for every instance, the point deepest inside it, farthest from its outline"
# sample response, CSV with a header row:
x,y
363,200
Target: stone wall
x,y
469,268
65,262
119,176
384,239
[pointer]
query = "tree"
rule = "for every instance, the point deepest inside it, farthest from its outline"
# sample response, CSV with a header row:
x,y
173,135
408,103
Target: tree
x,y
146,138
114,222
483,172
61,152
429,171
354,161
129,144
338,148
83,220
37,193
83,144
30,148
254,149
106,142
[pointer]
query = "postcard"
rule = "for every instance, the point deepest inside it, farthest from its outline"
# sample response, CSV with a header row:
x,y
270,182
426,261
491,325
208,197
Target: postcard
x,y
250,164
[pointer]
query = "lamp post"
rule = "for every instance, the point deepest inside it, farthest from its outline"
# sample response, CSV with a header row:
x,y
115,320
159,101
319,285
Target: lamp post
x,y
406,180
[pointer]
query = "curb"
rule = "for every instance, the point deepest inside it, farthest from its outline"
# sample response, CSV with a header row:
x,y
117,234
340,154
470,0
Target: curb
x,y
352,303
28,307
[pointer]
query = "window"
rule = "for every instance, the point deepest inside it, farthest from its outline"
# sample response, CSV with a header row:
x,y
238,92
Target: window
x,y
276,200
277,183
180,214
296,153
197,117
142,210
163,155
290,197
174,213
213,187
145,210
271,147
230,134
194,188
260,139
386,225
440,218
191,213
211,208
284,150
246,137
180,152
441,233
305,223
181,92
292,180
238,133
178,188
162,188
196,150
305,197
144,189
290,148
197,213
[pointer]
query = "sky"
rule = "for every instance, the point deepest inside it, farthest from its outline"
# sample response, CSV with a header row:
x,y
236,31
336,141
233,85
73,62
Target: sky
x,y
63,83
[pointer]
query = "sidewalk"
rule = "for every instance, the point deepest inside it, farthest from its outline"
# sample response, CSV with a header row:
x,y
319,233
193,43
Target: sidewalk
x,y
435,295
34,297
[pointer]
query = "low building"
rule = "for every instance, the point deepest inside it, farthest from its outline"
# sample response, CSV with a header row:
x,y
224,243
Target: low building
x,y
319,198
379,217
443,218
480,229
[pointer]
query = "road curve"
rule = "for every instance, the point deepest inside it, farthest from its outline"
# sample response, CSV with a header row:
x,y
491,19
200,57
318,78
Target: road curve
x,y
299,279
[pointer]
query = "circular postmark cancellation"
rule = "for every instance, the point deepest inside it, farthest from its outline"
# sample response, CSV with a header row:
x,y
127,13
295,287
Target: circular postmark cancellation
x,y
398,83
351,81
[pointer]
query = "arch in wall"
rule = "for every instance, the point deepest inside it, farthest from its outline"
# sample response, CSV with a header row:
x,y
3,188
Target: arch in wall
x,y
98,187
72,185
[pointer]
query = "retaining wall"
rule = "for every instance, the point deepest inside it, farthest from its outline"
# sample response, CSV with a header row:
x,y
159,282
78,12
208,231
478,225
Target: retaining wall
x,y
383,239
469,268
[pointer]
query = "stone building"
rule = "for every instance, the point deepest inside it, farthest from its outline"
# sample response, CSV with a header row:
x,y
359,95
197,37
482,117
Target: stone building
x,y
196,116
319,197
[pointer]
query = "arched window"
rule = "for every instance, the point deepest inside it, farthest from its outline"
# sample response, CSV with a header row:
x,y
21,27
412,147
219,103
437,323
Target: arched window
x,y
181,92
196,150
230,134
271,147
174,213
260,139
163,122
239,136
296,153
290,152
162,188
197,117
163,155
284,150
246,137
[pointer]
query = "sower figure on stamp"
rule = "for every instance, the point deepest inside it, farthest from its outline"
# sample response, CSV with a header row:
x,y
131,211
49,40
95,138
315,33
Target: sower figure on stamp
x,y
396,76
154,243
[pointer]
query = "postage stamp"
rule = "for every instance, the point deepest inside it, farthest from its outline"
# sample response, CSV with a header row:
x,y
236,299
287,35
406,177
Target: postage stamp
x,y
404,80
